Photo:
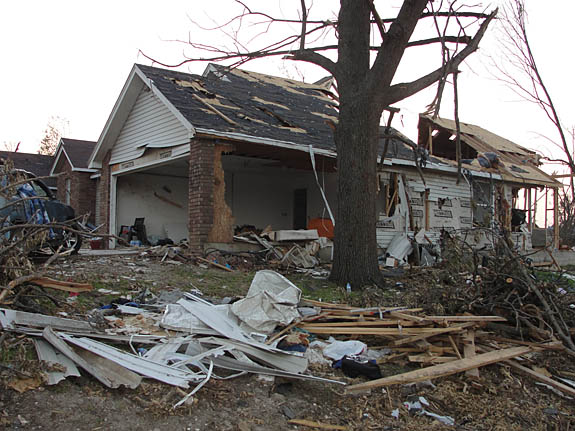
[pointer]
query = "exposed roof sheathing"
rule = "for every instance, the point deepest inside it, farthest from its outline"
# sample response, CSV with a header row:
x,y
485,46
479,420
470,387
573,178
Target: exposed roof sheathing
x,y
491,139
250,103
519,162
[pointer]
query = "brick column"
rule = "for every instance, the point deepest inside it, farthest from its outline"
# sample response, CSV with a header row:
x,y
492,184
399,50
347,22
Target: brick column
x,y
200,192
104,190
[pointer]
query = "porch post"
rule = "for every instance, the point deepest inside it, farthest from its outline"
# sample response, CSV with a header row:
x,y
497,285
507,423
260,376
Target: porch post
x,y
200,192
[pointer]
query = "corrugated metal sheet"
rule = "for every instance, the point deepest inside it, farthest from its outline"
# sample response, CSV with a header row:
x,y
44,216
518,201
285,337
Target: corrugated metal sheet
x,y
150,123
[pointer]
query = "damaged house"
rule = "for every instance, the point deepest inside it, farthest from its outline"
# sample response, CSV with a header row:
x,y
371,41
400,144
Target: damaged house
x,y
195,156
500,184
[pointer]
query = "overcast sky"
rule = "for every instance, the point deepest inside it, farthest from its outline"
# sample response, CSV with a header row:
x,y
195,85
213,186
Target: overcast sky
x,y
70,59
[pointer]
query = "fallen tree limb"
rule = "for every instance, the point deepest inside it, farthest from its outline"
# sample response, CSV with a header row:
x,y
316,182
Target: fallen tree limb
x,y
17,282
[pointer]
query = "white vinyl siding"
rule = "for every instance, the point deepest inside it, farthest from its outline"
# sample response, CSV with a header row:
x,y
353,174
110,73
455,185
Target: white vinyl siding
x,y
150,123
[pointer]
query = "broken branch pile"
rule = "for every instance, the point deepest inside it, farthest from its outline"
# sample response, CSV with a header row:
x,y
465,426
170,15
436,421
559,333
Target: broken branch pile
x,y
537,304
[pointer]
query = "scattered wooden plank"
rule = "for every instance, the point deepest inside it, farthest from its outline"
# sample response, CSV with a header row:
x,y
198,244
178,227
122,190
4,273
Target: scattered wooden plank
x,y
427,359
551,345
443,370
377,310
455,347
378,322
428,334
466,318
414,331
469,352
217,265
566,389
324,305
319,425
66,286
404,316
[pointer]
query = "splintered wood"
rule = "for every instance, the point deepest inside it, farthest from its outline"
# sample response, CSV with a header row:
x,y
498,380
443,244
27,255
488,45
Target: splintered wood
x,y
442,345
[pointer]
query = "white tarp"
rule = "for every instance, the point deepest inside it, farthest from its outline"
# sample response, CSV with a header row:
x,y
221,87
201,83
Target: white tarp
x,y
271,300
338,349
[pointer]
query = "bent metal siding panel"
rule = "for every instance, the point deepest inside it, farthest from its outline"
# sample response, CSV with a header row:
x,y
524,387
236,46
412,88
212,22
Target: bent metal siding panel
x,y
149,122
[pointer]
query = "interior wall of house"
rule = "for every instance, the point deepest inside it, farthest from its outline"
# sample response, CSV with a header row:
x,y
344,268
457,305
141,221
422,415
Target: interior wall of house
x,y
262,195
161,199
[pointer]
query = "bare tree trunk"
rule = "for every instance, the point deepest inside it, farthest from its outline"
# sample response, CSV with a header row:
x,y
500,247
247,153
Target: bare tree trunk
x,y
355,248
355,251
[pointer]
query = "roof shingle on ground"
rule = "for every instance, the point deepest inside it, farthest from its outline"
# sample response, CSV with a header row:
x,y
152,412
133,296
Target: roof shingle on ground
x,y
38,164
251,103
78,151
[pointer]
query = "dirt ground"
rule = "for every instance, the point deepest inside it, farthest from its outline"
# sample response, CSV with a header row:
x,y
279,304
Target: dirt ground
x,y
500,400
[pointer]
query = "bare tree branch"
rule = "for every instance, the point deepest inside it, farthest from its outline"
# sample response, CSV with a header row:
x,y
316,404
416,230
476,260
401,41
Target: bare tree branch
x,y
377,19
520,56
303,25
403,90
392,48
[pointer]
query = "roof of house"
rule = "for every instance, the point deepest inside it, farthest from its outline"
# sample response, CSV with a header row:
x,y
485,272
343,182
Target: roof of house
x,y
38,164
519,163
78,151
251,103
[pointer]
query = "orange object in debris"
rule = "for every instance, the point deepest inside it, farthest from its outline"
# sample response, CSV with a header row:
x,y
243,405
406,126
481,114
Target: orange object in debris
x,y
324,227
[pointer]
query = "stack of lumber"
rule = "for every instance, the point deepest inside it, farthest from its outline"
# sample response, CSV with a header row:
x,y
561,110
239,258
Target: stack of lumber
x,y
442,345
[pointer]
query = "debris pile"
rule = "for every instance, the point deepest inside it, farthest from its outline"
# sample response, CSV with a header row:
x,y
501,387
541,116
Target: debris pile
x,y
181,343
445,345
290,248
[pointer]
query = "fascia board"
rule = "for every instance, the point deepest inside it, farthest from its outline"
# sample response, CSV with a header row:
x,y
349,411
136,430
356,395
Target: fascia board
x,y
266,141
57,157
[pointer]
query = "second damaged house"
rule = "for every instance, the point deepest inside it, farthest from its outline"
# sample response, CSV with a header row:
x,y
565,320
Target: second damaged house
x,y
500,185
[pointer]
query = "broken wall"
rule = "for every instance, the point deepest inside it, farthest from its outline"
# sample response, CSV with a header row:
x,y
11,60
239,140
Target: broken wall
x,y
445,206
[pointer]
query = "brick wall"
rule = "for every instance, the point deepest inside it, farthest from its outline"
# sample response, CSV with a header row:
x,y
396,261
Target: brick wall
x,y
82,190
84,194
201,192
